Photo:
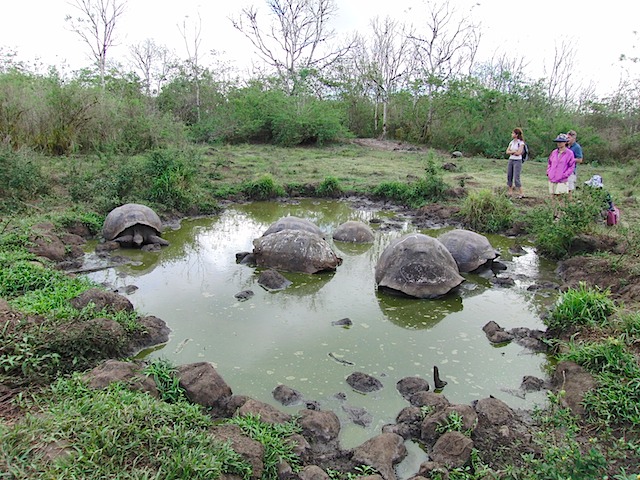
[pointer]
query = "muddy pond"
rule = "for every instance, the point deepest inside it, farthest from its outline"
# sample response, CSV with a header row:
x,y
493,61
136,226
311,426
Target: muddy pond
x,y
287,337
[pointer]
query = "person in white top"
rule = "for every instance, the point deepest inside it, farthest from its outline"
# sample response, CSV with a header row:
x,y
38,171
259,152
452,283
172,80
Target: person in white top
x,y
514,150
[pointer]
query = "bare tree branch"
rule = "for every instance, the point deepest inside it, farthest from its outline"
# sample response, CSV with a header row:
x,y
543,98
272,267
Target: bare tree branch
x,y
296,37
153,62
96,27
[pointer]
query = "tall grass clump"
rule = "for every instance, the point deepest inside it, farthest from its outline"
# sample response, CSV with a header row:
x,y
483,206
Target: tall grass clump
x,y
329,187
431,188
396,191
275,437
485,211
167,381
582,306
264,188
170,174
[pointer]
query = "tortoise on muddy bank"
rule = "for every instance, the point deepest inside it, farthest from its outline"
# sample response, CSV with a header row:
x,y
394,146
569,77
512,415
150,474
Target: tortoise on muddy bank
x,y
133,225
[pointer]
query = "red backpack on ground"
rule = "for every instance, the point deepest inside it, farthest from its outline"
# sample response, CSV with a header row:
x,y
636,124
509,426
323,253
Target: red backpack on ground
x,y
613,216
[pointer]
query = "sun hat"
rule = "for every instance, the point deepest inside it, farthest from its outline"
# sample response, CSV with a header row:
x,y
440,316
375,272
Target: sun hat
x,y
562,137
595,181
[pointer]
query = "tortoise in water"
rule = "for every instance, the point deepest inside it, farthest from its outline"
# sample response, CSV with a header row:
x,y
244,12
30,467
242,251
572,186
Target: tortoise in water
x,y
419,266
354,231
295,251
469,249
293,223
133,225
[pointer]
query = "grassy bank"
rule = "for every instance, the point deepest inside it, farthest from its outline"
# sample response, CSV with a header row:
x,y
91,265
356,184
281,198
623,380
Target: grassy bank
x,y
70,431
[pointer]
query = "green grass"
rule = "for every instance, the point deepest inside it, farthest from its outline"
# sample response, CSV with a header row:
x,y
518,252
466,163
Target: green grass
x,y
582,306
113,433
275,439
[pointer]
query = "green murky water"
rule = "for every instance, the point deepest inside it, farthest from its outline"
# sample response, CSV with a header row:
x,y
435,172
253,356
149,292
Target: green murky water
x,y
286,337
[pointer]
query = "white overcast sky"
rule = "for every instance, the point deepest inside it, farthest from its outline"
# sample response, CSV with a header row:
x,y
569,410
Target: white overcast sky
x,y
598,30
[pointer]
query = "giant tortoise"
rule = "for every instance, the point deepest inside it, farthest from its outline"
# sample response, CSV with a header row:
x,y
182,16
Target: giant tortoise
x,y
133,225
469,249
293,223
417,265
295,251
354,231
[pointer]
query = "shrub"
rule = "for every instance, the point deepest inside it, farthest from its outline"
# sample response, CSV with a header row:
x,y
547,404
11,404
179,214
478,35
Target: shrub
x,y
329,187
554,230
170,174
429,189
582,306
484,211
20,178
264,188
275,438
392,191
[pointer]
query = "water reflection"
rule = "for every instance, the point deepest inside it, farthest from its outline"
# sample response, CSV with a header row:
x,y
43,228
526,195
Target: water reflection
x,y
415,313
351,249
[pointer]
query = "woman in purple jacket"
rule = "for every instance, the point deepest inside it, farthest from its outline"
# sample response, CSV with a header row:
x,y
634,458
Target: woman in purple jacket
x,y
561,165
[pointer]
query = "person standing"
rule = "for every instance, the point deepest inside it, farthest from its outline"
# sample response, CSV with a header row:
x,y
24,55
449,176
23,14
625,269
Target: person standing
x,y
575,147
514,150
560,166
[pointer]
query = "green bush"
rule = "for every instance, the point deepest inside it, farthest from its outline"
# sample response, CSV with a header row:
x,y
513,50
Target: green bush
x,y
430,188
396,191
555,227
582,306
275,438
329,187
20,178
170,174
484,211
264,188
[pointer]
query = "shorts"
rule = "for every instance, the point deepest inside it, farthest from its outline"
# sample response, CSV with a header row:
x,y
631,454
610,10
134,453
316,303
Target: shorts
x,y
558,188
571,182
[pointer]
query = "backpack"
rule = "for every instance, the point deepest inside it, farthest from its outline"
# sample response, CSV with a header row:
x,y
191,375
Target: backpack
x,y
525,152
613,216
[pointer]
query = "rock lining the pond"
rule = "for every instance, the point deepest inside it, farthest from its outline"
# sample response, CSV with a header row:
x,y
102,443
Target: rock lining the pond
x,y
287,395
496,334
491,426
363,382
244,295
343,322
409,385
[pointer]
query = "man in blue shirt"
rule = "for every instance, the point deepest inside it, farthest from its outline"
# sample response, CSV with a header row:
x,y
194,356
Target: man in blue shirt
x,y
577,153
